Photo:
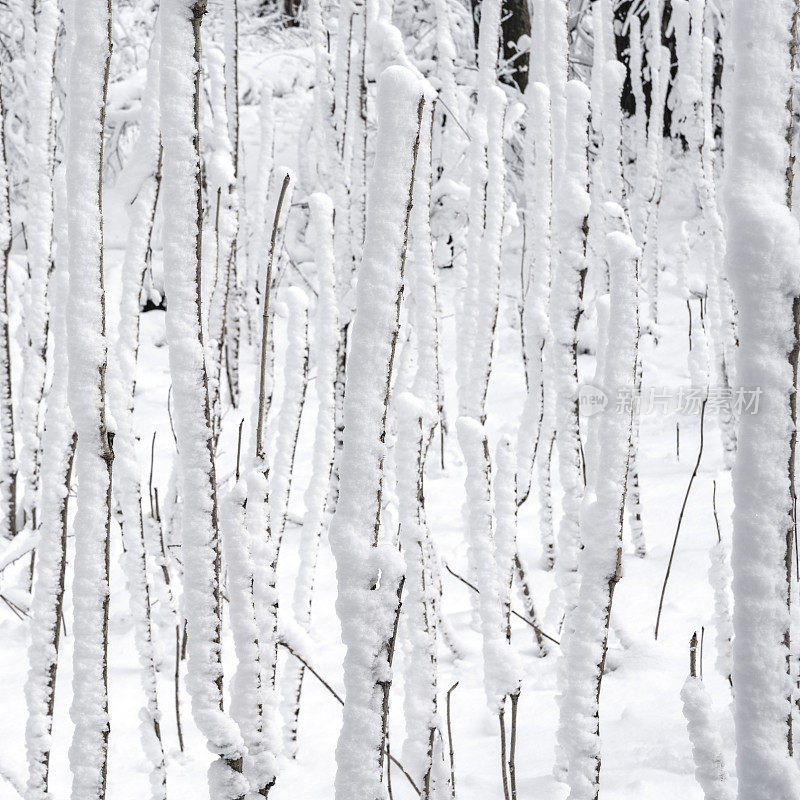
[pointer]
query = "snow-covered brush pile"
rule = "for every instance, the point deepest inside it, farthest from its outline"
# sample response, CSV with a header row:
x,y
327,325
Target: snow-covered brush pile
x,y
389,391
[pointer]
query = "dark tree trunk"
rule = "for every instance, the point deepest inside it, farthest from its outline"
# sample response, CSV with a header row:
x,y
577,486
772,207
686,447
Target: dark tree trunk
x,y
515,23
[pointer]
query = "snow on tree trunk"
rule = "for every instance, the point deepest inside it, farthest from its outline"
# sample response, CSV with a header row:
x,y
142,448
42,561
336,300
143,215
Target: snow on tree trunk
x,y
39,237
763,243
180,64
501,669
720,300
259,223
707,747
650,180
127,489
8,459
719,576
86,340
600,561
294,395
247,695
538,210
324,348
570,220
423,727
233,316
369,569
58,445
221,178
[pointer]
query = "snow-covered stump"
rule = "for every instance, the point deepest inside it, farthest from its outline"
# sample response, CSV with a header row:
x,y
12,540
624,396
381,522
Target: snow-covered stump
x,y
709,761
294,395
247,696
180,65
58,446
324,349
86,392
538,212
39,238
127,490
369,570
8,458
600,560
761,260
570,221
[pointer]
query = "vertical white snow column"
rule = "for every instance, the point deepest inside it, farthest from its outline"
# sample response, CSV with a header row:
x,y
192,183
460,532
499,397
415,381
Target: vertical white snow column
x,y
294,395
48,592
39,237
326,332
419,701
505,538
720,301
709,761
86,341
650,183
538,211
471,304
8,461
180,30
570,216
122,382
501,667
556,41
423,283
487,274
324,132
762,261
719,576
639,201
247,696
221,177
600,560
368,569
258,254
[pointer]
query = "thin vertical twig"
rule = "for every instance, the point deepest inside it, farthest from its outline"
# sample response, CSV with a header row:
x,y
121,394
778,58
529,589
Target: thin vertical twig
x,y
680,516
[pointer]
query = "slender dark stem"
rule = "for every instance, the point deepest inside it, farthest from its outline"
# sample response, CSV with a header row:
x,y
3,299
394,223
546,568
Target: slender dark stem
x,y
512,747
152,459
339,699
503,754
178,685
450,744
516,614
714,507
680,516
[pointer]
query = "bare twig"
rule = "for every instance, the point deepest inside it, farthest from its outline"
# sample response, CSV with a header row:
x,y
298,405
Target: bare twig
x,y
515,613
680,516
339,699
